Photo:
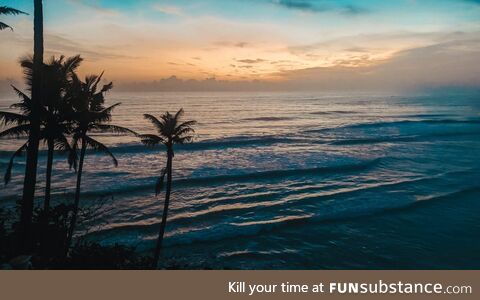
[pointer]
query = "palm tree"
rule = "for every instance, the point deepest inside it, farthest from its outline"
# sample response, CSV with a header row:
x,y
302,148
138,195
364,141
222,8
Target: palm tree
x,y
89,115
5,10
54,127
58,75
19,125
171,130
52,132
30,180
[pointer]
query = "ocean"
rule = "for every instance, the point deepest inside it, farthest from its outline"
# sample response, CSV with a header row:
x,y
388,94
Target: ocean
x,y
288,181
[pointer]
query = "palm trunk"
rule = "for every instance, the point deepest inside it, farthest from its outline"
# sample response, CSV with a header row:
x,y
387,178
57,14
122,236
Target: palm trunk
x,y
163,224
77,198
46,205
30,180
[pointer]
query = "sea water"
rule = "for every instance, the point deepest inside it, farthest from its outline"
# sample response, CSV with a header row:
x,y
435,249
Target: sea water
x,y
287,180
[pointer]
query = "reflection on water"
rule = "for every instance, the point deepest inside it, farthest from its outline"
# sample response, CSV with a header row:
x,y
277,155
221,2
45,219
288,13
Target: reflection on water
x,y
291,180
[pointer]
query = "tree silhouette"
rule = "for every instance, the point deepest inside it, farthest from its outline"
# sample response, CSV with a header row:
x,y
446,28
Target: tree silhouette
x,y
5,10
54,127
171,131
30,180
89,115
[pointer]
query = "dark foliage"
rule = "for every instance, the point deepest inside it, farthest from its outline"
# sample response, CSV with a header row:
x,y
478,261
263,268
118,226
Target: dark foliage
x,y
93,256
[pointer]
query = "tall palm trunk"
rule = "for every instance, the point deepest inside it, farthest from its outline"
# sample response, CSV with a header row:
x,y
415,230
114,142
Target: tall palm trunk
x,y
77,198
34,135
163,224
48,180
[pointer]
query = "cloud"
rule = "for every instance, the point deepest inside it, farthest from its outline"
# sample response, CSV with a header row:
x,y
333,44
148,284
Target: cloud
x,y
296,4
353,10
241,44
251,61
231,44
317,6
450,63
58,45
173,83
169,10
95,5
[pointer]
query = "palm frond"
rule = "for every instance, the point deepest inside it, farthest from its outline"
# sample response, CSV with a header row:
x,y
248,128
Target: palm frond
x,y
27,67
107,87
7,118
89,81
157,123
187,124
167,117
25,105
16,132
21,94
170,129
151,139
72,63
179,114
96,145
5,26
96,82
5,10
183,139
109,110
112,129
62,144
8,172
183,131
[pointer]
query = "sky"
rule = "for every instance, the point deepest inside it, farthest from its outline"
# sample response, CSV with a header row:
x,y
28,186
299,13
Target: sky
x,y
285,44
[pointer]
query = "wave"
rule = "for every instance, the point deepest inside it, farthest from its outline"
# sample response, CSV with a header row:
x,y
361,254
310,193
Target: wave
x,y
403,122
334,112
284,173
145,184
233,230
269,119
393,124
292,199
396,139
223,231
471,191
425,116
235,142
253,141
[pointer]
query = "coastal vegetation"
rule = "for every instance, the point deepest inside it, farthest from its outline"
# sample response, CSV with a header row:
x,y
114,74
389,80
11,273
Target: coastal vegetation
x,y
171,130
5,10
62,112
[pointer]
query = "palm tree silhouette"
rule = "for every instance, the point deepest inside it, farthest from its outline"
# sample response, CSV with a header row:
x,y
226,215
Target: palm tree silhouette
x,y
5,10
19,125
57,77
89,115
54,126
170,131
30,180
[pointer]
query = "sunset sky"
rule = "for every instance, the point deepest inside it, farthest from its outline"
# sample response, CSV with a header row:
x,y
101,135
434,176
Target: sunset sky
x,y
306,43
